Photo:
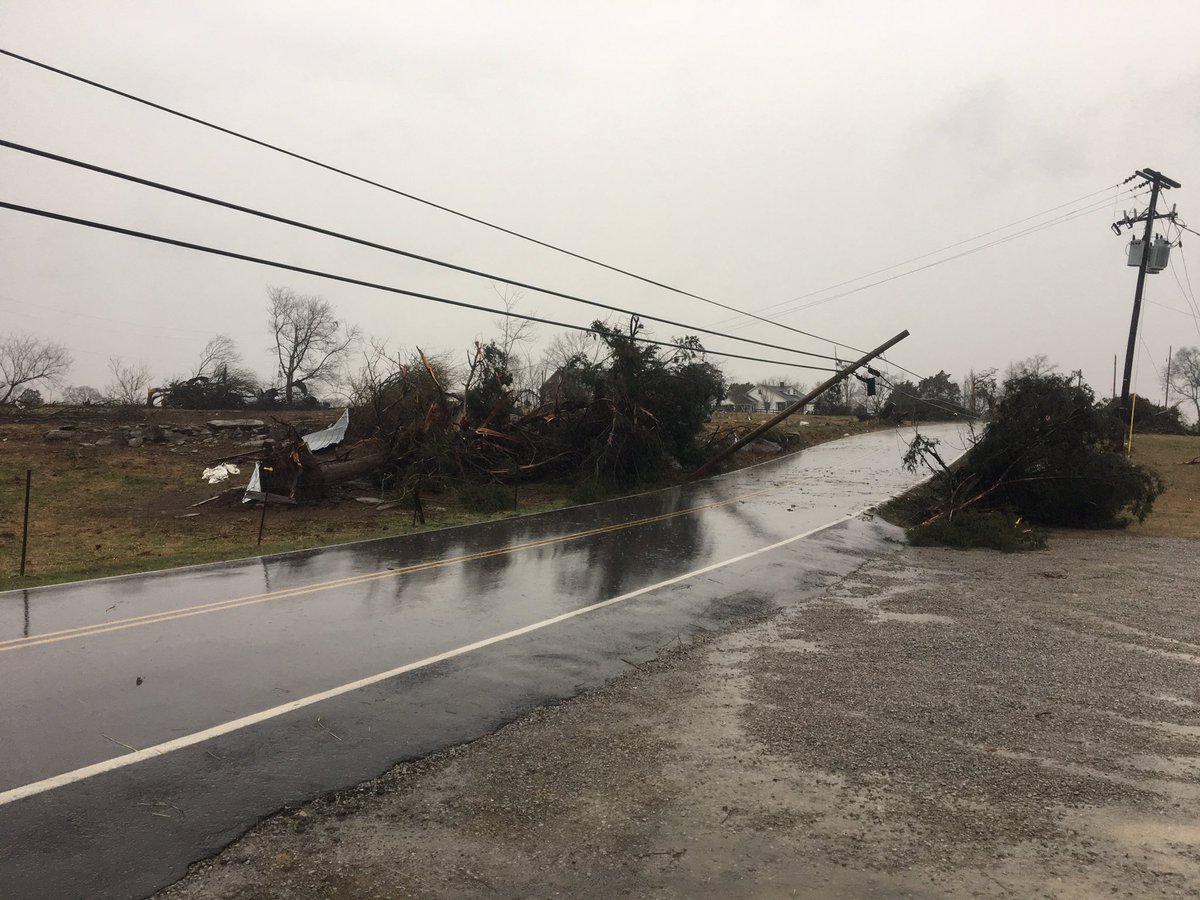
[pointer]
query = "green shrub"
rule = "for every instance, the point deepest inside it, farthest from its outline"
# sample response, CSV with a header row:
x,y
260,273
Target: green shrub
x,y
485,498
971,529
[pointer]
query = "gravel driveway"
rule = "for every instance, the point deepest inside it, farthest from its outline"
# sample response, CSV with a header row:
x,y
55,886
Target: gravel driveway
x,y
937,724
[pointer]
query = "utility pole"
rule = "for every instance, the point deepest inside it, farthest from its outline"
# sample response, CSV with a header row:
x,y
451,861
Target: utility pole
x,y
1114,390
838,377
1167,380
1158,182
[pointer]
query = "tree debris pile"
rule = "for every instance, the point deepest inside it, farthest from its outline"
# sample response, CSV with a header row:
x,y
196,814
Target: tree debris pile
x,y
1050,456
625,418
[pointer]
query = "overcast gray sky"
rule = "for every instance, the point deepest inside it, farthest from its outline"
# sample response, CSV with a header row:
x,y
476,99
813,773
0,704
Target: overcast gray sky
x,y
752,153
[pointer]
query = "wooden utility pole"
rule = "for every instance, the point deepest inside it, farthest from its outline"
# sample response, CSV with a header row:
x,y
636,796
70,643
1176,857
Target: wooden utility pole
x,y
1158,182
1167,381
838,377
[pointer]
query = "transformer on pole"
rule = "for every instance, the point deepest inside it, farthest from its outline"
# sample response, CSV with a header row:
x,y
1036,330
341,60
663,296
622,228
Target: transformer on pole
x,y
1142,258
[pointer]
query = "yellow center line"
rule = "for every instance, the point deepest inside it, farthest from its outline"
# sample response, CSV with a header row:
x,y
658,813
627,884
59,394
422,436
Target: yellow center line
x,y
81,631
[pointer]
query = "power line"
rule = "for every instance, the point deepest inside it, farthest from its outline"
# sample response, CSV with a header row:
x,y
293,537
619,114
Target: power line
x,y
984,234
386,248
1189,298
1058,220
1175,309
345,279
368,181
360,178
1187,275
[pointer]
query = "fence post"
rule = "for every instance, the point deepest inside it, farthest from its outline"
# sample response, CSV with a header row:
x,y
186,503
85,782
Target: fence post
x,y
25,528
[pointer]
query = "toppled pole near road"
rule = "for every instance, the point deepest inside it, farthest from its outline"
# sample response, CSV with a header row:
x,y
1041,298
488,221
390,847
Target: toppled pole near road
x,y
812,395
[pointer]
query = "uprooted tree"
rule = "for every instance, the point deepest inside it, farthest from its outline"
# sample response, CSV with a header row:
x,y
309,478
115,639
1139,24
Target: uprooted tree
x,y
638,408
1050,454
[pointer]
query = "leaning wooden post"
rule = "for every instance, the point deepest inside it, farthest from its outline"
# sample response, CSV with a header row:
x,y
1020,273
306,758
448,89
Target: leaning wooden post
x,y
25,529
262,519
812,395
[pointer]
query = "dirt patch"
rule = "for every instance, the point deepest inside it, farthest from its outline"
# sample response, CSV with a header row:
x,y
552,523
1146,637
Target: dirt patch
x,y
938,724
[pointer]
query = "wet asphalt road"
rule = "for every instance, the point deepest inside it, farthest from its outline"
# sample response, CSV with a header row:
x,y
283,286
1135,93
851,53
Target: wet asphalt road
x,y
268,681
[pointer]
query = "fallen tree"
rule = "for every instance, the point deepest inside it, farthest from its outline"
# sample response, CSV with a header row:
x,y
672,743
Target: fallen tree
x,y
1050,456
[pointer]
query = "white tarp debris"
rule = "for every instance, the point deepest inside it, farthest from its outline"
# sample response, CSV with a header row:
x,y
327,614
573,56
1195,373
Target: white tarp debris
x,y
327,437
220,473
254,489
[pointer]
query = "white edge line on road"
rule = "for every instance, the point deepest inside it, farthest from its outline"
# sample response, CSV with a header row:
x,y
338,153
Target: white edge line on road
x,y
190,740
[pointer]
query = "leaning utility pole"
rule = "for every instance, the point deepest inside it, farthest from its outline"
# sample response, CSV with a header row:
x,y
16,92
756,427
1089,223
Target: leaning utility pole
x,y
1158,182
839,376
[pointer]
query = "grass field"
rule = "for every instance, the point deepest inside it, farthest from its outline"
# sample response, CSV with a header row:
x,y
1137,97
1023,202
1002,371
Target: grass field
x,y
112,510
1177,512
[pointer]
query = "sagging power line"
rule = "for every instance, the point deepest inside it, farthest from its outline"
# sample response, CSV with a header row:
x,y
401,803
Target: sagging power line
x,y
346,279
921,256
398,192
226,204
1058,220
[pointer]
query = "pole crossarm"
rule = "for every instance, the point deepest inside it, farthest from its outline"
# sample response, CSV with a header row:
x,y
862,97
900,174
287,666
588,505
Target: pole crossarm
x,y
1159,177
1128,221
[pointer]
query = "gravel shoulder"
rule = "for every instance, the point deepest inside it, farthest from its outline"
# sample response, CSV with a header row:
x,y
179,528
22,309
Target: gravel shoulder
x,y
937,724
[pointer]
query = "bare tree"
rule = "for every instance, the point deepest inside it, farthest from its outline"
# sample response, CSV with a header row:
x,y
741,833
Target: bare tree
x,y
979,389
1036,365
82,395
513,332
1185,376
515,343
129,384
311,345
26,360
380,367
572,345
